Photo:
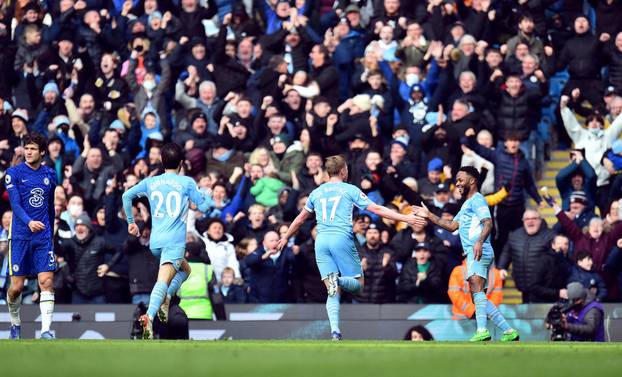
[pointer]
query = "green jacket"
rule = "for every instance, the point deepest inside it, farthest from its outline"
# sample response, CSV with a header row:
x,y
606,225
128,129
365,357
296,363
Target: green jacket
x,y
293,159
266,191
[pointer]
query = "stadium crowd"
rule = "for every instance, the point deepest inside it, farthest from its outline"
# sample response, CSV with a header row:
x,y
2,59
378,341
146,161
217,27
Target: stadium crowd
x,y
259,92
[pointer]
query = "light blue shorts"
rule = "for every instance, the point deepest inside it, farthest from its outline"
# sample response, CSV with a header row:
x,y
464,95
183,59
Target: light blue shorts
x,y
336,253
172,255
481,267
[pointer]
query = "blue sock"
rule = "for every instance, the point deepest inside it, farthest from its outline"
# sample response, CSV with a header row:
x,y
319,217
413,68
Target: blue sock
x,y
496,317
177,281
479,299
332,309
351,285
157,297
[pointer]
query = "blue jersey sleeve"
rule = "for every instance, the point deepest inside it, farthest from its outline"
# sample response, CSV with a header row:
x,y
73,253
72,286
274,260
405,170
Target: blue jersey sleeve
x,y
202,201
309,207
360,200
481,208
139,190
10,180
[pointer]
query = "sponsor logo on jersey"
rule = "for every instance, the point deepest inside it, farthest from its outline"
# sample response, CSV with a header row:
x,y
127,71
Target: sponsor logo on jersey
x,y
36,200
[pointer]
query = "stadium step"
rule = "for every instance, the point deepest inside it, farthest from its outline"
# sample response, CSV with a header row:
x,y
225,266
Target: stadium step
x,y
559,159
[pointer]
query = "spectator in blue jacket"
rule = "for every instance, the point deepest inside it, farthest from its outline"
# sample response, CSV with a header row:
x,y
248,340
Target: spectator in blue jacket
x,y
232,293
577,176
270,271
582,273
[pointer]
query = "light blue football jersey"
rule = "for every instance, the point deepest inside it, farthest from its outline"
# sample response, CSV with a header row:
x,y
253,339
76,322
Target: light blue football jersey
x,y
333,203
169,196
470,217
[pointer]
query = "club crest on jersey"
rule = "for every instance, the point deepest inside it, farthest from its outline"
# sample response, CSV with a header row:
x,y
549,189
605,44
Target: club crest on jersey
x,y
15,268
46,181
36,200
7,179
363,196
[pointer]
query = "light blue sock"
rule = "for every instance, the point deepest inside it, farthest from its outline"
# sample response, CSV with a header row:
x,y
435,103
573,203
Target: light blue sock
x,y
177,281
157,297
332,309
495,315
479,299
351,285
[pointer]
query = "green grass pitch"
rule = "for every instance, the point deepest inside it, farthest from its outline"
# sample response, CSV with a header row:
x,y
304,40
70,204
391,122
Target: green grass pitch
x,y
305,358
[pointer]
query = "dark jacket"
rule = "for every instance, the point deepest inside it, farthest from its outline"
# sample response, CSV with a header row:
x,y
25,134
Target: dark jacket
x,y
511,170
550,275
229,74
235,295
269,279
588,279
614,60
379,281
143,266
582,56
307,275
327,78
525,252
430,291
563,181
518,115
83,258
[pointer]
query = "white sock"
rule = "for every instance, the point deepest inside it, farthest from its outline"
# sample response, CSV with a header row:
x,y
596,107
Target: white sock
x,y
46,304
14,308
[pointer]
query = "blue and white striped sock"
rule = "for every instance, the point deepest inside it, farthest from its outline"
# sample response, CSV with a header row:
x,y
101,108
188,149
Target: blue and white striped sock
x,y
332,309
497,318
177,281
157,297
351,285
479,299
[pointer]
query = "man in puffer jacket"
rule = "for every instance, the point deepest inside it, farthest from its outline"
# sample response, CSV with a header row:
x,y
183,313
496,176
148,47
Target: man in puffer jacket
x,y
219,246
513,172
595,141
379,269
84,253
524,249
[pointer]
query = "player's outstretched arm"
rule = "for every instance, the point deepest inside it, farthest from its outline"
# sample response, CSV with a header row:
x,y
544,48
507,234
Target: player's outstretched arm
x,y
423,212
392,215
140,189
202,200
298,221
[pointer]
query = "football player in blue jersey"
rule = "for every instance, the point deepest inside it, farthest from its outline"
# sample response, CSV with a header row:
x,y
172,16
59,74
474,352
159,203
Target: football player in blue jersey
x,y
169,196
31,192
475,224
336,256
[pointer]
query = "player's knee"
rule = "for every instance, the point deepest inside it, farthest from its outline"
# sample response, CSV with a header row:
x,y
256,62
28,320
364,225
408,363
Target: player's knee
x,y
46,283
15,289
475,285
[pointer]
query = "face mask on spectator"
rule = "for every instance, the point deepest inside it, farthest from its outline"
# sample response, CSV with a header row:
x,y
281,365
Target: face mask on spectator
x,y
75,210
149,85
412,79
595,131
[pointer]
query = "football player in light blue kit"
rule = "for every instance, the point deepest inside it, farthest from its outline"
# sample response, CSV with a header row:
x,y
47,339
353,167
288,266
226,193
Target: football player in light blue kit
x,y
475,224
335,253
169,195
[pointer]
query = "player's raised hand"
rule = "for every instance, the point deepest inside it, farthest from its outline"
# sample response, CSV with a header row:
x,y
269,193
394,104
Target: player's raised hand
x,y
477,250
422,211
281,244
133,230
36,226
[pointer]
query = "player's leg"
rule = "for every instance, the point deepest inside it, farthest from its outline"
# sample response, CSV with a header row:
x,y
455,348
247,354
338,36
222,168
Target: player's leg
x,y
349,263
18,261
158,293
476,284
14,302
46,302
329,271
44,265
178,280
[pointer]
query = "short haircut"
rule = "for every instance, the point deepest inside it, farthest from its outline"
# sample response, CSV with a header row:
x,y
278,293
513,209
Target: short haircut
x,y
38,139
257,207
334,164
582,254
172,155
470,170
228,269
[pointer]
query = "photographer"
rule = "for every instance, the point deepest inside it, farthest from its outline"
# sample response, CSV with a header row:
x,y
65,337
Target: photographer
x,y
585,319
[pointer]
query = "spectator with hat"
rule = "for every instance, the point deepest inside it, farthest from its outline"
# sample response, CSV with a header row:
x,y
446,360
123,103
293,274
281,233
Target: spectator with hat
x,y
578,211
422,278
288,156
427,185
582,272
